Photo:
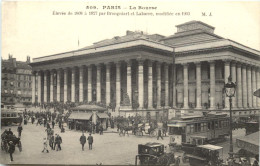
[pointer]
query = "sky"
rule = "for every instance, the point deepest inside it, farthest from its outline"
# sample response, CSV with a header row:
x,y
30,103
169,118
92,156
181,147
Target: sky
x,y
31,28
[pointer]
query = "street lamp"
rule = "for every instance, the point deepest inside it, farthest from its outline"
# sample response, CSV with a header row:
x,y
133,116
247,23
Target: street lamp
x,y
230,90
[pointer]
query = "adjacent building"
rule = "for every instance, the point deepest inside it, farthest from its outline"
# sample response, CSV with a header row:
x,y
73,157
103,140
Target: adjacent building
x,y
16,85
150,73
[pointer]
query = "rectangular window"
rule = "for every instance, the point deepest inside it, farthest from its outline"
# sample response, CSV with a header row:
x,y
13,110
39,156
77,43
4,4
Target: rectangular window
x,y
216,124
208,126
8,115
191,128
220,124
188,128
199,127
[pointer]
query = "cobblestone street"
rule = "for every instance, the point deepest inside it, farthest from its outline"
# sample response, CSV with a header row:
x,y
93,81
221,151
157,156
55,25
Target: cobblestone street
x,y
109,148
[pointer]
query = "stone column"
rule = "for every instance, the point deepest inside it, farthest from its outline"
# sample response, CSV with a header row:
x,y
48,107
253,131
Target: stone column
x,y
212,85
244,86
141,83
45,86
150,84
73,73
118,86
65,85
239,87
81,69
185,86
108,68
198,85
58,85
258,85
39,87
129,80
254,87
98,83
51,86
249,87
173,83
159,88
33,88
227,74
89,83
234,79
166,75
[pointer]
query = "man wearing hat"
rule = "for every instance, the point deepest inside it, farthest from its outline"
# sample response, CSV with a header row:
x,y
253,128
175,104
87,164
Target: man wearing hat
x,y
11,149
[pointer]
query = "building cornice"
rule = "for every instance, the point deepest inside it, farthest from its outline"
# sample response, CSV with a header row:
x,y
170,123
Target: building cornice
x,y
112,47
216,45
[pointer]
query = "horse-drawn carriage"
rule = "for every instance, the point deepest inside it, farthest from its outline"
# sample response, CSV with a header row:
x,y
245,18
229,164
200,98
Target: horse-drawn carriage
x,y
153,154
146,128
6,139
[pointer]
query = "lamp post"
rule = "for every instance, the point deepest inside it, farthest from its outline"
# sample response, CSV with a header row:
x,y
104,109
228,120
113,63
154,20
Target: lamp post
x,y
230,90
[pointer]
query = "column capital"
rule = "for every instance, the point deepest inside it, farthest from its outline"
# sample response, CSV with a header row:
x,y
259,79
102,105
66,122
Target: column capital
x,y
185,64
227,61
234,63
211,62
150,63
140,61
81,67
118,63
45,71
166,64
248,67
197,63
129,62
99,65
108,63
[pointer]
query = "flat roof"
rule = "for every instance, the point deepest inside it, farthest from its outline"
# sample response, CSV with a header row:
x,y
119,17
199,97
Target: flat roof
x,y
210,147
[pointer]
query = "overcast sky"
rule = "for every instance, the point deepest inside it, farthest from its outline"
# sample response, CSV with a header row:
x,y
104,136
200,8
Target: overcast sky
x,y
30,28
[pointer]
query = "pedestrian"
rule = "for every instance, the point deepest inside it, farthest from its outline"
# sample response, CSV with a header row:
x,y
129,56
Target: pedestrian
x,y
48,126
101,129
90,141
19,130
45,146
44,122
53,124
33,119
51,142
159,134
256,162
59,141
55,141
82,141
62,130
9,132
11,150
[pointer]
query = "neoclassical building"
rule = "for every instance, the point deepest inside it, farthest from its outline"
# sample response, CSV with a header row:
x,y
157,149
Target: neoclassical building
x,y
184,71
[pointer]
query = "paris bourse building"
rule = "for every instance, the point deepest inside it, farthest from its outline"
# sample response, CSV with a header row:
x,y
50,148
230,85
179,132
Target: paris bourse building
x,y
138,68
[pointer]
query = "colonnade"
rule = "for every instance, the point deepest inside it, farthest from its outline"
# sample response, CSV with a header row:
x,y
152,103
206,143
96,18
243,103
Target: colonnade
x,y
244,75
61,84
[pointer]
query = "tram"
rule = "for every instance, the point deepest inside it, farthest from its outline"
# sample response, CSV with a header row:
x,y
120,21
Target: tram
x,y
10,115
199,129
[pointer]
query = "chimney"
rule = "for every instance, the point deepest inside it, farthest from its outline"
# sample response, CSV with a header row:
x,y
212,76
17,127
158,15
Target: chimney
x,y
129,32
28,59
10,56
14,62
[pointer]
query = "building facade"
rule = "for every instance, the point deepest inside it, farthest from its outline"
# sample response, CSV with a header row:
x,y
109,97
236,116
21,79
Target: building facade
x,y
184,71
16,82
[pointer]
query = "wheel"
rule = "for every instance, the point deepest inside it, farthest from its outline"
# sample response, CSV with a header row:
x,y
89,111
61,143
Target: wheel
x,y
20,146
163,160
139,133
153,133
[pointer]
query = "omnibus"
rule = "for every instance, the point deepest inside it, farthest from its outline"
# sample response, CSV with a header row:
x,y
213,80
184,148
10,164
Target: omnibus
x,y
9,116
198,129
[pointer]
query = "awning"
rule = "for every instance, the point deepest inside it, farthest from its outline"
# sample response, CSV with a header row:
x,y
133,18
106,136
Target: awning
x,y
89,107
210,147
249,143
257,93
177,125
80,115
102,115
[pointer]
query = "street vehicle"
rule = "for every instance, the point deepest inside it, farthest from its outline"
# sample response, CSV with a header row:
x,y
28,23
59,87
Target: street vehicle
x,y
9,116
211,128
251,127
203,155
5,142
153,154
147,128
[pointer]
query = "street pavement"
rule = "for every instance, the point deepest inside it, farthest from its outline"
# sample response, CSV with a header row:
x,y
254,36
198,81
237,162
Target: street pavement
x,y
108,149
